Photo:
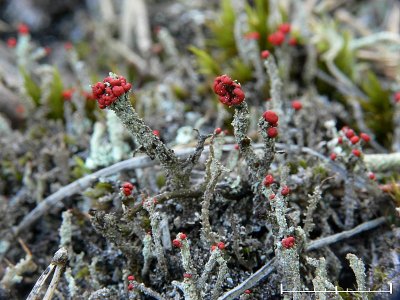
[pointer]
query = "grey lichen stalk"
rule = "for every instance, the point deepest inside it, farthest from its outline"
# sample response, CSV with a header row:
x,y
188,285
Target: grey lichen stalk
x,y
147,254
214,169
147,291
269,150
321,281
358,268
155,218
277,97
178,171
240,123
312,205
288,259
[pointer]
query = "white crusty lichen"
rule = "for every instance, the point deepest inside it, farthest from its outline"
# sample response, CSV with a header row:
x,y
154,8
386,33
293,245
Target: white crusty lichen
x,y
321,281
5,127
312,205
116,133
149,205
289,267
99,149
46,75
186,257
194,286
72,288
103,293
13,274
146,291
93,273
107,149
168,43
288,258
27,54
358,267
215,258
214,169
65,230
184,135
147,253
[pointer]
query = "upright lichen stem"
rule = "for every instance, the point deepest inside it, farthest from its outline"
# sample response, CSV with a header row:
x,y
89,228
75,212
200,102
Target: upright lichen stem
x,y
151,143
240,123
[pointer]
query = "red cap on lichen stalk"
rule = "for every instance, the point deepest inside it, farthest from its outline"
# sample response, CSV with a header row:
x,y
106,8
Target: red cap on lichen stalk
x,y
229,91
108,91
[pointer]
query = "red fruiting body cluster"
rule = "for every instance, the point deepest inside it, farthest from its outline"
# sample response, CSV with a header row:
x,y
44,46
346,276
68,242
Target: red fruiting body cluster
x,y
272,132
229,92
221,245
187,275
156,132
276,38
271,117
108,91
349,133
268,180
354,140
127,188
11,42
371,176
288,242
182,236
23,29
284,28
131,278
236,147
67,94
365,137
177,243
130,287
213,247
254,35
247,292
285,191
217,130
296,105
356,152
397,97
333,156
265,54
272,197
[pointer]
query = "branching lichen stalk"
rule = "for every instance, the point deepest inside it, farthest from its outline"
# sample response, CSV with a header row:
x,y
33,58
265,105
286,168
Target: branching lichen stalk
x,y
241,122
154,222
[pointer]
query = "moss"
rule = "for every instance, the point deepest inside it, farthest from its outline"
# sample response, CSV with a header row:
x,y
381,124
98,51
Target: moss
x,y
161,180
320,171
83,273
293,167
101,189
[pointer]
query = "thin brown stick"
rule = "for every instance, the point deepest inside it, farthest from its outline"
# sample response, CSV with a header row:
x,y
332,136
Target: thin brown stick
x,y
58,262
